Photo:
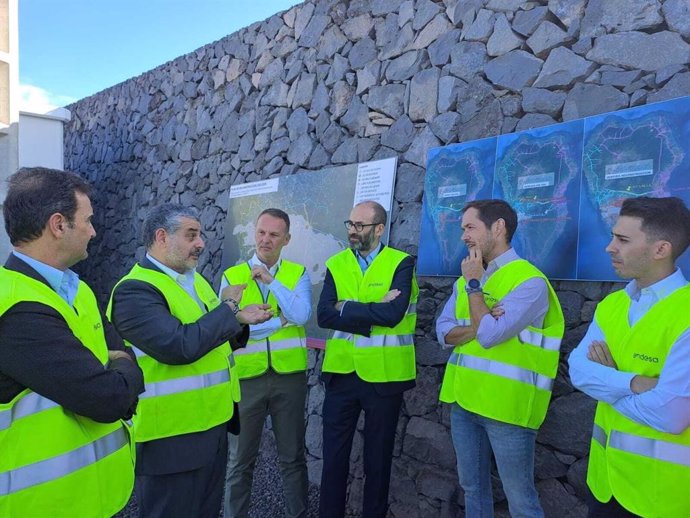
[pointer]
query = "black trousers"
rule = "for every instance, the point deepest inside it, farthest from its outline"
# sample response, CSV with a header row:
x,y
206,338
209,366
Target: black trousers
x,y
346,396
610,509
189,494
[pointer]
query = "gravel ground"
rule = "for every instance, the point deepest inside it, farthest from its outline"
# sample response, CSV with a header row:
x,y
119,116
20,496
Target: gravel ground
x,y
267,491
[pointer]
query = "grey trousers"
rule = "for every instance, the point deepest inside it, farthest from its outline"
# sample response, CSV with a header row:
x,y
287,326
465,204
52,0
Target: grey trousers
x,y
282,396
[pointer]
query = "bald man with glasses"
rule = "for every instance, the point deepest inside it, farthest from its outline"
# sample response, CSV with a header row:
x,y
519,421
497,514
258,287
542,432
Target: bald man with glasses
x,y
368,301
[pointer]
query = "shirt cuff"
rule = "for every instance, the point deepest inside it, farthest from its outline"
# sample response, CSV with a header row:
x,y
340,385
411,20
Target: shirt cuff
x,y
619,383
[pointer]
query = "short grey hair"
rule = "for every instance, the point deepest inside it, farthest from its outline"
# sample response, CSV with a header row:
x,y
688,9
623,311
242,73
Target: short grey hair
x,y
166,216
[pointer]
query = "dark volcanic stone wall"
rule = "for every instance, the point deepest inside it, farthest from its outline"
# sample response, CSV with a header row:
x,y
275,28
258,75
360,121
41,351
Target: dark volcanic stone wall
x,y
334,82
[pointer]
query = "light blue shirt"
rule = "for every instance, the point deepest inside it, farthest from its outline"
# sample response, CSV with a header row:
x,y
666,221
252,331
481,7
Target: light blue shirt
x,y
65,283
526,305
295,305
667,406
365,262
185,280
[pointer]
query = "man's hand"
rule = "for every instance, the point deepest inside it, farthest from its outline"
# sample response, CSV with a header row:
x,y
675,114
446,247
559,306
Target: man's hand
x,y
391,295
497,311
233,291
473,265
599,352
254,314
640,384
114,355
261,274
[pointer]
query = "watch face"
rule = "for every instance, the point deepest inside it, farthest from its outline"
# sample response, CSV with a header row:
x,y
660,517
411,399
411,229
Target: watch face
x,y
473,283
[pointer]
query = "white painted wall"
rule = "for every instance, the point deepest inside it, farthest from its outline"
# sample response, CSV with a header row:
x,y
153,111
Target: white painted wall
x,y
9,105
41,139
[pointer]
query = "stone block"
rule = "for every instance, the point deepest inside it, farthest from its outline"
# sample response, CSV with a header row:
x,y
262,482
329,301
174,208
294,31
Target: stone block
x,y
611,16
677,15
540,100
429,442
562,68
503,39
568,424
649,52
481,27
400,135
388,99
423,95
467,59
525,22
513,70
547,36
588,99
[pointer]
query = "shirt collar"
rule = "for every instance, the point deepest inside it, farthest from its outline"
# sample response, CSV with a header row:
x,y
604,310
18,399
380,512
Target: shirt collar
x,y
369,258
65,283
659,289
178,277
255,261
506,257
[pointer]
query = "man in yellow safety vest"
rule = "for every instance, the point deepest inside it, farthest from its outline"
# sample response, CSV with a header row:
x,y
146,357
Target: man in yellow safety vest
x,y
369,301
271,367
181,333
505,325
634,360
67,384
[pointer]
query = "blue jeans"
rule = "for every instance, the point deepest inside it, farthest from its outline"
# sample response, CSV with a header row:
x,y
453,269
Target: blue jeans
x,y
474,437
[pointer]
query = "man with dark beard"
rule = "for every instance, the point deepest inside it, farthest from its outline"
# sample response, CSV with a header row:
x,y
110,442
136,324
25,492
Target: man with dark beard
x,y
181,333
369,301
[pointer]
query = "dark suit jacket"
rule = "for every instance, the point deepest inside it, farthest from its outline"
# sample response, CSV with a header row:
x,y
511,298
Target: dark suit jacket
x,y
142,317
359,317
38,350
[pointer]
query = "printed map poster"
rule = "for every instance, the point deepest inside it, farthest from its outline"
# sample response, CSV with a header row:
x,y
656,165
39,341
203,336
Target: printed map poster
x,y
641,151
455,175
318,203
538,174
567,182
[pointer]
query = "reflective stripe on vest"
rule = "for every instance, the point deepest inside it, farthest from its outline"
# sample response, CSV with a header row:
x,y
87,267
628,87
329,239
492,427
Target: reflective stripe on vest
x,y
502,369
177,385
532,337
51,469
599,435
652,448
377,340
30,404
277,345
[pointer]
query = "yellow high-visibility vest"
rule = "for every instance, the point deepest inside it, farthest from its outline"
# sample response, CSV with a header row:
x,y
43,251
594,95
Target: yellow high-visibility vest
x,y
512,381
54,462
288,345
182,399
388,354
647,471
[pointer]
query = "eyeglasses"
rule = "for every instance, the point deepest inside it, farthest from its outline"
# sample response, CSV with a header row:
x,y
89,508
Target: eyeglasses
x,y
358,226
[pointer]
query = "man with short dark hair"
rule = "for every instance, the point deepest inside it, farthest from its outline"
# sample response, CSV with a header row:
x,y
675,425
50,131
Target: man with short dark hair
x,y
505,324
271,367
66,382
180,331
635,361
369,301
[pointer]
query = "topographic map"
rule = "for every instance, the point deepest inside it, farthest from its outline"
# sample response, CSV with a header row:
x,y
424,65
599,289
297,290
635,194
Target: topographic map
x,y
538,173
566,182
317,203
637,152
455,175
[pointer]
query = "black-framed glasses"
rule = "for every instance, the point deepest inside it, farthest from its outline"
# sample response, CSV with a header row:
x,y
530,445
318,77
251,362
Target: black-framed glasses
x,y
358,226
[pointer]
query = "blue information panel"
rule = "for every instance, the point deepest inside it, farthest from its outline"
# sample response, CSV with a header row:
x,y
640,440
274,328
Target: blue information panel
x,y
566,182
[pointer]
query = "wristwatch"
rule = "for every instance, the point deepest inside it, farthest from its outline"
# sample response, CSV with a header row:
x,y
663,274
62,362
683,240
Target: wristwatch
x,y
234,305
473,286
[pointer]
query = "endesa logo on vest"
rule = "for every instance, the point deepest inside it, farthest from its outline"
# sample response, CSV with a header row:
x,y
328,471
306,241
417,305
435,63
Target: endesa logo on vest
x,y
645,358
97,326
374,284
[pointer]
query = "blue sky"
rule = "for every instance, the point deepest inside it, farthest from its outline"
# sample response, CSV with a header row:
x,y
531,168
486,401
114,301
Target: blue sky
x,y
70,49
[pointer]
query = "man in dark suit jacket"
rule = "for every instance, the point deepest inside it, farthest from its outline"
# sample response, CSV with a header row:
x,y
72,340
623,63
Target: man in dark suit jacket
x,y
65,377
172,317
368,299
